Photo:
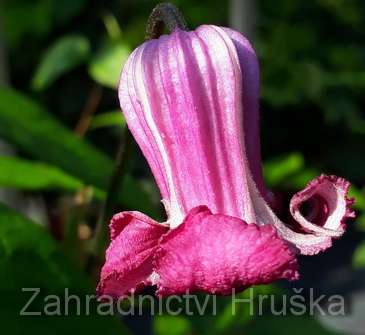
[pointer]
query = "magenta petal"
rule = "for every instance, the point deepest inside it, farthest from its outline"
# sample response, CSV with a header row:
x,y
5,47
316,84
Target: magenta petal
x,y
128,263
321,209
188,102
328,206
250,103
215,253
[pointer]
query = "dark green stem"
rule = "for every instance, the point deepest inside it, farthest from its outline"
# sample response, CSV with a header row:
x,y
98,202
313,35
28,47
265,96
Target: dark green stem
x,y
101,231
164,15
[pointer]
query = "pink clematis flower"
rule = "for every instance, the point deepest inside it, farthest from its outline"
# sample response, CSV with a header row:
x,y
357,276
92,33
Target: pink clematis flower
x,y
191,102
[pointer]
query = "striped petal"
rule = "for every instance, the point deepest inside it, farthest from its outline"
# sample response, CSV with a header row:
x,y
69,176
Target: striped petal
x,y
188,106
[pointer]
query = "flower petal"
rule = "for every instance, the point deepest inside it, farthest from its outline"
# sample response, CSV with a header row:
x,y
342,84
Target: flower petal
x,y
128,265
329,207
183,100
250,101
321,210
326,207
215,253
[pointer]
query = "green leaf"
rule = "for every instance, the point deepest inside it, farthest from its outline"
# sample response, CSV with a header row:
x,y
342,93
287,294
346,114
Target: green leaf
x,y
171,325
21,19
358,259
112,26
33,130
29,175
300,179
288,172
30,258
65,54
359,196
107,64
360,222
21,239
277,170
108,119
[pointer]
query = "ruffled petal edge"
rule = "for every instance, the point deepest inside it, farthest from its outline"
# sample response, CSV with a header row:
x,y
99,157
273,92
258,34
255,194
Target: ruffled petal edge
x,y
128,265
214,253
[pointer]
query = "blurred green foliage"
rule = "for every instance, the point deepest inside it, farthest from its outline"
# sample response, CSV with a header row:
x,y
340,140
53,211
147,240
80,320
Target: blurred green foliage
x,y
359,256
31,258
44,265
29,175
107,119
313,78
107,64
66,53
37,133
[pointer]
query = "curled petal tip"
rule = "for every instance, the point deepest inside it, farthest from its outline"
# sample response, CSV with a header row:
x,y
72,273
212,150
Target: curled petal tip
x,y
321,209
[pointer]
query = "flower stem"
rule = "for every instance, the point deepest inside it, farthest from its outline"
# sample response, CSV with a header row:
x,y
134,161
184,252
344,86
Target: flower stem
x,y
101,230
164,15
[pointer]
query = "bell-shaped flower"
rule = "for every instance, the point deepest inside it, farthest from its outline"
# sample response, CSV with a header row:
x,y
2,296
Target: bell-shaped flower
x,y
191,102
